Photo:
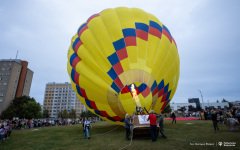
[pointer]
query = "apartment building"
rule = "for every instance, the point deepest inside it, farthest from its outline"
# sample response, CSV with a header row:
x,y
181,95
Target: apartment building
x,y
15,81
61,96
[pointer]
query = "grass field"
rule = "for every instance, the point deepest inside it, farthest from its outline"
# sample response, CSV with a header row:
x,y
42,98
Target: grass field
x,y
180,137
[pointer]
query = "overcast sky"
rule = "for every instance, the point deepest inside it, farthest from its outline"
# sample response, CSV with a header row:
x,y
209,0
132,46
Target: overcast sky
x,y
207,33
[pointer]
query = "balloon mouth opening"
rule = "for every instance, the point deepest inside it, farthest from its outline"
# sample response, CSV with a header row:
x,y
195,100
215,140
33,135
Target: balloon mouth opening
x,y
134,95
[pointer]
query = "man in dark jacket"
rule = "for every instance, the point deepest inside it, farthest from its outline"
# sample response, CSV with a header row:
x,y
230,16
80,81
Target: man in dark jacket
x,y
214,120
161,126
174,117
127,126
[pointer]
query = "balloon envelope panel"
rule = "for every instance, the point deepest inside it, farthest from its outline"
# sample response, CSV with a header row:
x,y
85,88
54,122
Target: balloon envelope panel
x,y
122,58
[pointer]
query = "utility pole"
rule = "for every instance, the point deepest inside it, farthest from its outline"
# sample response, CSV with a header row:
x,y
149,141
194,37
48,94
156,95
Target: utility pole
x,y
16,55
202,99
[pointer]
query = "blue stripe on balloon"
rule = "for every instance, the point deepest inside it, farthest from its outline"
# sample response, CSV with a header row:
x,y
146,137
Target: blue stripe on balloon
x,y
155,25
166,104
88,103
98,112
115,87
75,42
74,55
79,90
166,89
83,25
142,87
73,74
112,74
165,28
161,85
168,95
154,85
113,59
129,32
119,44
110,118
142,26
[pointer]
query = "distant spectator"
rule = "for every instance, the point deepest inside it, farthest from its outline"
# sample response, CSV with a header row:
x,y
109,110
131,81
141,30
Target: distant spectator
x,y
174,117
214,120
2,130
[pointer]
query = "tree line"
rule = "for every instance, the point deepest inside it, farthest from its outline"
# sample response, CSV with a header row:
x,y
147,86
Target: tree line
x,y
28,108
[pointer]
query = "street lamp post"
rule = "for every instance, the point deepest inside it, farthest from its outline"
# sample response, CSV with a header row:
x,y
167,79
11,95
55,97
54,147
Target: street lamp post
x,y
202,99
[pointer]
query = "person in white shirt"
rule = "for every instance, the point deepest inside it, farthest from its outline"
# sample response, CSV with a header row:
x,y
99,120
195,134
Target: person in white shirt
x,y
87,125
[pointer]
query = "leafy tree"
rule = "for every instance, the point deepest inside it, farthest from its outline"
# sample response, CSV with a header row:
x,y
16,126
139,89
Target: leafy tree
x,y
182,109
191,108
21,107
198,108
224,100
88,114
60,114
31,110
72,113
230,104
83,114
45,113
65,114
167,109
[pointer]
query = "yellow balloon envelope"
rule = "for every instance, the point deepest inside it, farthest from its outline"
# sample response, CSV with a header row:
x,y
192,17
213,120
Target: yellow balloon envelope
x,y
122,58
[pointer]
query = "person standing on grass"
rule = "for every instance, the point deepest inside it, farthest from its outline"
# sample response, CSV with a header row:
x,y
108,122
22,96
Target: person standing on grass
x,y
2,130
174,117
153,125
214,120
127,126
87,125
161,126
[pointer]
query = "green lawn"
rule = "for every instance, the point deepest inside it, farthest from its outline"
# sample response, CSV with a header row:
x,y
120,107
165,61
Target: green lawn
x,y
180,136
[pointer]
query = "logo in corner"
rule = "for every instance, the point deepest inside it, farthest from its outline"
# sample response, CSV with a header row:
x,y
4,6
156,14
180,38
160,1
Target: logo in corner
x,y
220,143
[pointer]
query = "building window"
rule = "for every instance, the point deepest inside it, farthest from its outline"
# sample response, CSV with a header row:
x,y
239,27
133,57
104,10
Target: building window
x,y
8,68
0,78
6,78
7,73
10,64
4,64
4,83
3,69
1,100
1,94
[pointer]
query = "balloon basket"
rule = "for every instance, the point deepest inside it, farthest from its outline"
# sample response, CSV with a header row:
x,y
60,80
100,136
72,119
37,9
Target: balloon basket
x,y
141,127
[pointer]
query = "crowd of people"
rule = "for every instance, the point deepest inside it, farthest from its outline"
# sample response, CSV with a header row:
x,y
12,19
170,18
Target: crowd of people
x,y
230,117
6,126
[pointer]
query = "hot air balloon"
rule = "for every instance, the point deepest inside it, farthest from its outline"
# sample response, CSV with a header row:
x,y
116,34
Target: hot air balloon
x,y
122,58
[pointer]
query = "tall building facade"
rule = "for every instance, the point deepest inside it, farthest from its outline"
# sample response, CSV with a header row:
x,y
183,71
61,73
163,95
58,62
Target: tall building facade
x,y
15,81
61,96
